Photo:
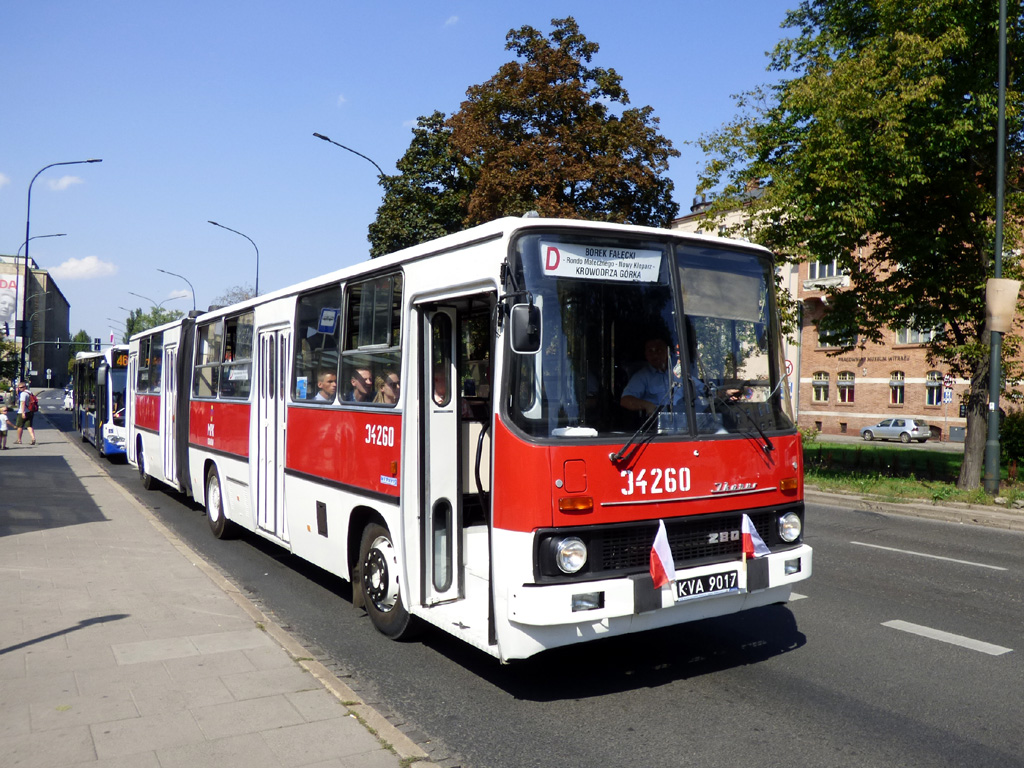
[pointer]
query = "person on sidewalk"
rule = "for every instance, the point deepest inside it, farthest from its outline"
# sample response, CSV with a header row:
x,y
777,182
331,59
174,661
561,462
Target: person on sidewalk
x,y
25,414
3,427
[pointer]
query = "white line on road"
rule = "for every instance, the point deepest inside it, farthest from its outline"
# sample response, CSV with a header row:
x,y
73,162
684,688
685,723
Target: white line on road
x,y
933,557
947,637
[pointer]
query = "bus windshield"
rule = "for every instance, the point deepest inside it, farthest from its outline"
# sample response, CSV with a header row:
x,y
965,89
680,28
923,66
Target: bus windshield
x,y
678,337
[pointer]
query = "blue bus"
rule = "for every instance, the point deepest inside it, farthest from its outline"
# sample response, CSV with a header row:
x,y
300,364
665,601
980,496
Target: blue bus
x,y
100,381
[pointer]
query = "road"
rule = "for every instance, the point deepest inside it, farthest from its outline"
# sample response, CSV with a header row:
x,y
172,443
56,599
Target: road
x,y
904,648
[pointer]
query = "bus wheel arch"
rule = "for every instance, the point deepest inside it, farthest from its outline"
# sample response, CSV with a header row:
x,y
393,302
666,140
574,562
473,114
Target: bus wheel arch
x,y
377,581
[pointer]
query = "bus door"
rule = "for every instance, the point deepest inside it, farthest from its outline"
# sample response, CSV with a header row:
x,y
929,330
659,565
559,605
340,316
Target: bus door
x,y
441,513
169,400
272,386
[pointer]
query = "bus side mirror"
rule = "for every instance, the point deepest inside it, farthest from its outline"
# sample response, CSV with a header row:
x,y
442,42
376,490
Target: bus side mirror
x,y
525,326
101,376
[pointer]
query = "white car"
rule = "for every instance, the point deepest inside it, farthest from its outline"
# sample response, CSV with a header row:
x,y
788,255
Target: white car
x,y
903,430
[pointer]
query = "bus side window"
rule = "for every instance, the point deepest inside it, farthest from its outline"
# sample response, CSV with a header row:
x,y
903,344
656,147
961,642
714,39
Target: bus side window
x,y
317,337
373,341
237,363
142,375
206,380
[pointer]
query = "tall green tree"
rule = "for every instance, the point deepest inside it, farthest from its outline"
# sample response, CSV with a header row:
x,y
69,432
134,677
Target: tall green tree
x,y
548,133
428,197
877,146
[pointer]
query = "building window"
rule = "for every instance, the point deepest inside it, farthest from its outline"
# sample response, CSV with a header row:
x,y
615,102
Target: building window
x,y
820,387
933,388
845,381
835,340
818,270
896,393
914,336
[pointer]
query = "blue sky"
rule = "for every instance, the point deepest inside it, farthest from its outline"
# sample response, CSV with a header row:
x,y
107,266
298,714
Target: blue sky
x,y
206,110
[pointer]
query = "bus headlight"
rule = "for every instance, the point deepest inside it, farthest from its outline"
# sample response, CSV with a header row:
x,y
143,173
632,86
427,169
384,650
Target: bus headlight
x,y
570,554
790,527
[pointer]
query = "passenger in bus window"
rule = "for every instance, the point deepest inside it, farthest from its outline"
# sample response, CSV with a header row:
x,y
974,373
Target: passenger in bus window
x,y
327,386
362,386
386,385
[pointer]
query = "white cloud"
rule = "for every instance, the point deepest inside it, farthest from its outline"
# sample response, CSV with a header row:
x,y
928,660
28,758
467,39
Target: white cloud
x,y
83,269
4,180
452,21
341,99
64,182
181,293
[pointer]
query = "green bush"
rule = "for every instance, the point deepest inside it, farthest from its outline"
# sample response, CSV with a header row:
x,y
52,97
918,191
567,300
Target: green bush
x,y
1011,436
808,435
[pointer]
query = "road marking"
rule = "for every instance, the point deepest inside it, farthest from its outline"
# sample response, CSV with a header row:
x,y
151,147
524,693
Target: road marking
x,y
796,596
933,557
947,637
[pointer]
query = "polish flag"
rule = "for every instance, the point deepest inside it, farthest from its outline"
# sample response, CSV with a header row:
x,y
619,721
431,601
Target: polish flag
x,y
111,335
663,567
753,544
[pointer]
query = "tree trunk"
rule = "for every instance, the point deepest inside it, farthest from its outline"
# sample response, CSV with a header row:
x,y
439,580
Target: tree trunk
x,y
977,429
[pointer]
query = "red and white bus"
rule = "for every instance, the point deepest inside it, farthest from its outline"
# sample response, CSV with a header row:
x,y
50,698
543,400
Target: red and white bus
x,y
446,427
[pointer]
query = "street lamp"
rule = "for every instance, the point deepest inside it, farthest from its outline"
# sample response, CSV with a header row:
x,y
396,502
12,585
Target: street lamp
x,y
332,141
28,239
36,237
173,274
157,305
996,325
229,229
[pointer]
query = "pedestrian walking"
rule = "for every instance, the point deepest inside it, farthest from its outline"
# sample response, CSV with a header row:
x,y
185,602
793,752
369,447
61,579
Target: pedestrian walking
x,y
27,407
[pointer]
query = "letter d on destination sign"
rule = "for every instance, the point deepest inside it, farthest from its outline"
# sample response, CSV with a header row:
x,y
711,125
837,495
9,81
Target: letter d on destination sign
x,y
552,258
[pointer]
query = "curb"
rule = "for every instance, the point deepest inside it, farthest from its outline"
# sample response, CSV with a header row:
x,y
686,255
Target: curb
x,y
378,726
951,513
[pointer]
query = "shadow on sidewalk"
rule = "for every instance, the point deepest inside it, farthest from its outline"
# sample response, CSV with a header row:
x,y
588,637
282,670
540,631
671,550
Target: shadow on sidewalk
x,y
42,492
80,625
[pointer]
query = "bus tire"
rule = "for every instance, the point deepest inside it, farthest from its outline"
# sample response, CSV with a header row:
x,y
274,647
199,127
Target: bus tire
x,y
147,480
219,523
379,585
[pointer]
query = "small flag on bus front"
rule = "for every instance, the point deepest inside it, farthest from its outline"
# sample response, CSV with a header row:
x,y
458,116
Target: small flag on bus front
x,y
663,567
753,544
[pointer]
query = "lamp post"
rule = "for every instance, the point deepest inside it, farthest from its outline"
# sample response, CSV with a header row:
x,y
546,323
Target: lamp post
x,y
173,274
229,229
332,141
28,239
991,476
156,304
36,237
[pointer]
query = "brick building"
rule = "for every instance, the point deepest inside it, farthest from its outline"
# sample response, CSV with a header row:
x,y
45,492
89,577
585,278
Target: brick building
x,y
841,393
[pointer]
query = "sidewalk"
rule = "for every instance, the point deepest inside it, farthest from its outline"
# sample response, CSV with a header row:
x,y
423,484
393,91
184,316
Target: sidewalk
x,y
120,647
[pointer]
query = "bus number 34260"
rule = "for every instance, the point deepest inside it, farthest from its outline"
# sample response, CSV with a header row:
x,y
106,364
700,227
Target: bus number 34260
x,y
658,480
378,434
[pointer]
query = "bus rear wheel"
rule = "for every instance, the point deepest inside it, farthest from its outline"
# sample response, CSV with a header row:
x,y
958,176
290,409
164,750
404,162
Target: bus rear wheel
x,y
147,479
219,524
380,586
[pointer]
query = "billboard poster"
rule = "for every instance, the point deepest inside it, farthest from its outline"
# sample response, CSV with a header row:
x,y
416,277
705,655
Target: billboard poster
x,y
10,302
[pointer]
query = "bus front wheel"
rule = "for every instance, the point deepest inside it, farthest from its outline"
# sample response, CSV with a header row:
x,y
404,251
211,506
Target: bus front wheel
x,y
380,586
219,524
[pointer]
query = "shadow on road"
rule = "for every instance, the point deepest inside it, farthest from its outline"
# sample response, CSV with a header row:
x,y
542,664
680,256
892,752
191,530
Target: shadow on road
x,y
644,660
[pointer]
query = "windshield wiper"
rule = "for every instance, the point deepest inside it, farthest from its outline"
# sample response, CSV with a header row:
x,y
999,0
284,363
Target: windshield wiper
x,y
621,455
733,406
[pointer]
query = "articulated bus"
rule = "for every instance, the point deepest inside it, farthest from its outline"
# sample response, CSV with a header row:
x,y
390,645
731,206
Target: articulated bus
x,y
447,428
100,385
